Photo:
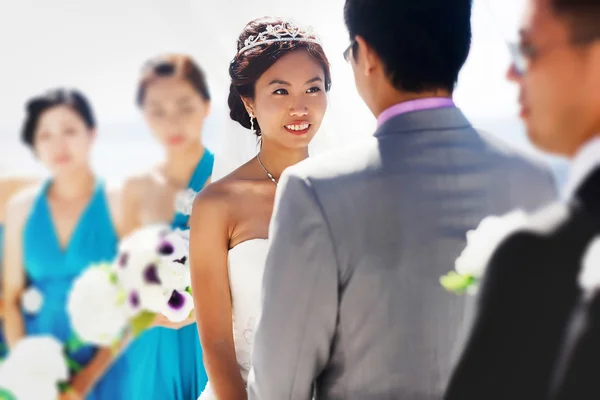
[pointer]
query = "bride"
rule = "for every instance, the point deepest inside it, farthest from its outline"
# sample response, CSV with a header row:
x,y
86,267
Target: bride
x,y
280,76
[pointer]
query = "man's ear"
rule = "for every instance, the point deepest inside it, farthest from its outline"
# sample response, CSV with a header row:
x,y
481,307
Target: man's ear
x,y
366,57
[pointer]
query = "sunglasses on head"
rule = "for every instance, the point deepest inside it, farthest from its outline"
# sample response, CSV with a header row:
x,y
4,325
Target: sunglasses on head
x,y
160,68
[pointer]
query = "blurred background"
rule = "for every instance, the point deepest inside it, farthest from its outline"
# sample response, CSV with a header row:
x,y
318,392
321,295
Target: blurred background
x,y
99,48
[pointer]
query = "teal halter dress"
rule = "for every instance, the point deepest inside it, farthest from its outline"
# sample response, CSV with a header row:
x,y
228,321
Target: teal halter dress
x,y
52,271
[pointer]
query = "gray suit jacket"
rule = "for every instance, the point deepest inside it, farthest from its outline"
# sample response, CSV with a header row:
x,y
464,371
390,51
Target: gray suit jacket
x,y
352,303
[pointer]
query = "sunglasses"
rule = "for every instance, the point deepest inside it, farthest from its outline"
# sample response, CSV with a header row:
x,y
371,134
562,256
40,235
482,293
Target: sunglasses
x,y
159,67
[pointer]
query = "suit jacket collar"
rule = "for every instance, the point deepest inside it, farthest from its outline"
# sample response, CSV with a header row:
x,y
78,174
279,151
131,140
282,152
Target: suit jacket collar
x,y
582,165
588,192
425,120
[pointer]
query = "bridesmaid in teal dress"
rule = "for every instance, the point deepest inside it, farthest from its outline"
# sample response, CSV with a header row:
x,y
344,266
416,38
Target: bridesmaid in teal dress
x,y
55,231
175,100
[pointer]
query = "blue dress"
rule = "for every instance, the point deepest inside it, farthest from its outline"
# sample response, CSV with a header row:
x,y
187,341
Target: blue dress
x,y
52,270
169,363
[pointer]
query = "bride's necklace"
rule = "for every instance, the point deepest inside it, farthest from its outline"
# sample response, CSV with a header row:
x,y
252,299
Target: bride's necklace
x,y
264,169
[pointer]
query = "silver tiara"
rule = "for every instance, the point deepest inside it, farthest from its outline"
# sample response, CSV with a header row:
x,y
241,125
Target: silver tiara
x,y
285,32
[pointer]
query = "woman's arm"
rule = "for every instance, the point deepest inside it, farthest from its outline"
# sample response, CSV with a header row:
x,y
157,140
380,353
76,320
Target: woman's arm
x,y
14,273
8,188
86,379
209,239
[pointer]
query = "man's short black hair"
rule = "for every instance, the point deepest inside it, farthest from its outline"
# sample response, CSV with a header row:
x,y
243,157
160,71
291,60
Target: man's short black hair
x,y
422,43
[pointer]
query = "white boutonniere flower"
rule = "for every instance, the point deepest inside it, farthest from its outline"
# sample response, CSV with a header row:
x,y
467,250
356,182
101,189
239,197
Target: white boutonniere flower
x,y
184,201
32,300
483,242
481,245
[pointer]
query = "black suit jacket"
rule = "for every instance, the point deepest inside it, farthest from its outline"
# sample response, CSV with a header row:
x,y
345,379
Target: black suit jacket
x,y
525,302
577,375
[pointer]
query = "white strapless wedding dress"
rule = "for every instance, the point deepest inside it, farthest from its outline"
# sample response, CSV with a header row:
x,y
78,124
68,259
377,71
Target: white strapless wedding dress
x,y
246,268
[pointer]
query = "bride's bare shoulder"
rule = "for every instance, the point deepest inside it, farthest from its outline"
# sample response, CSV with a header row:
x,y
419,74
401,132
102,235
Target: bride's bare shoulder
x,y
228,189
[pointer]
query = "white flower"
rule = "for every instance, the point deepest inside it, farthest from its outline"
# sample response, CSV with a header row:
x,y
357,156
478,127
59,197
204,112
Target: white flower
x,y
183,233
144,238
482,242
19,387
174,271
141,253
34,368
589,277
139,270
137,266
32,300
175,276
97,306
154,298
174,247
179,306
548,218
184,201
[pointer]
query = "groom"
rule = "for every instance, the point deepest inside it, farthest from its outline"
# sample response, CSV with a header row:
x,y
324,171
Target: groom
x,y
352,305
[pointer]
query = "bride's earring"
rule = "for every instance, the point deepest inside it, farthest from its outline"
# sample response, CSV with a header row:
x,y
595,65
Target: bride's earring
x,y
251,121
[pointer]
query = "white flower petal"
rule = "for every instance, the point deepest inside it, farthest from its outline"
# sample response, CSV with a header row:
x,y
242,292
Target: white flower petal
x,y
154,298
548,218
180,307
178,246
483,241
21,388
97,308
175,276
36,359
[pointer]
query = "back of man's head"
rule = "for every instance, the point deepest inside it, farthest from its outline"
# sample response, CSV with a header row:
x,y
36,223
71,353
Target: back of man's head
x,y
423,44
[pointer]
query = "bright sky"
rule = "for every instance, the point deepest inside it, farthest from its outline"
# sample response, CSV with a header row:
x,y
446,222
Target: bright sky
x,y
99,47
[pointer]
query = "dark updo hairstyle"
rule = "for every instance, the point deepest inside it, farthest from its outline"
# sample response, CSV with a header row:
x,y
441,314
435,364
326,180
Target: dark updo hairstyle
x,y
247,67
53,98
168,65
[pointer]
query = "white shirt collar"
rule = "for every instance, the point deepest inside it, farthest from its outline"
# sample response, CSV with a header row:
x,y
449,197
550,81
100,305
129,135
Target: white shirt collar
x,y
585,161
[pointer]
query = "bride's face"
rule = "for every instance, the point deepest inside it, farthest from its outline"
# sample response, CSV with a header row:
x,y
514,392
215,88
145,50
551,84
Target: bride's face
x,y
175,112
290,100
